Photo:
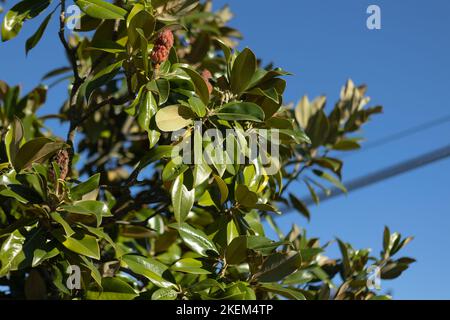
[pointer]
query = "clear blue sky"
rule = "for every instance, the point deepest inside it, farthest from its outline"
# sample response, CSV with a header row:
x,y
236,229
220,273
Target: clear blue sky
x,y
406,65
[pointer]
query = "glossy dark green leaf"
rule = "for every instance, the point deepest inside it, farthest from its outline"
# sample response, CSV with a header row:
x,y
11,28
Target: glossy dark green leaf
x,y
152,269
198,106
112,289
318,129
80,243
190,265
13,139
23,10
199,84
182,199
240,111
173,169
36,37
282,291
196,239
36,151
223,188
10,252
101,78
243,70
331,179
278,266
89,207
78,191
147,109
300,206
58,218
346,145
101,9
164,294
107,46
245,197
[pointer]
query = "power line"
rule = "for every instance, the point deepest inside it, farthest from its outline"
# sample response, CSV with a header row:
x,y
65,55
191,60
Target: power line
x,y
402,134
386,173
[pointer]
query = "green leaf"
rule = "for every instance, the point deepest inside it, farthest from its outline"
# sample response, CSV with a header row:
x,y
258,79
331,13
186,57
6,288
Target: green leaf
x,y
58,218
201,173
147,109
101,78
331,179
237,250
36,151
318,129
164,294
153,270
243,70
223,188
45,251
140,28
190,265
300,206
278,265
346,145
174,168
182,199
298,135
101,9
155,154
245,197
14,18
195,239
10,250
347,269
199,84
36,37
206,284
89,207
313,192
107,46
85,187
173,118
240,111
282,291
198,106
112,289
161,87
80,243
13,139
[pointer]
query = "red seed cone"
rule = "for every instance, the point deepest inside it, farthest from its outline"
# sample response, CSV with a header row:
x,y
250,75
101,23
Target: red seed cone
x,y
159,54
165,38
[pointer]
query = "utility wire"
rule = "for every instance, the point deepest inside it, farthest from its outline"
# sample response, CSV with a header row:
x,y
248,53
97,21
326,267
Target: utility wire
x,y
402,134
386,173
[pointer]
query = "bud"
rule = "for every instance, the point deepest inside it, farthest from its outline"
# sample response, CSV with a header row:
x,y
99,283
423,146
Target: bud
x,y
159,54
61,158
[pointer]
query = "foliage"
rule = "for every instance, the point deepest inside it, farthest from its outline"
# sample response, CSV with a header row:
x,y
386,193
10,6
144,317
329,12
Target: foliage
x,y
118,204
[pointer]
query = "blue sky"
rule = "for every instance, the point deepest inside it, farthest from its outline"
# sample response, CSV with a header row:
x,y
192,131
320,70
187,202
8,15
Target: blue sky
x,y
323,43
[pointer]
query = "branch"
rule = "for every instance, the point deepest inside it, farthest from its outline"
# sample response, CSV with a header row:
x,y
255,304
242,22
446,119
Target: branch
x,y
71,53
91,111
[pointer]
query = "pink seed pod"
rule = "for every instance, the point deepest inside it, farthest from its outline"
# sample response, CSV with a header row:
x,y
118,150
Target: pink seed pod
x,y
159,54
165,38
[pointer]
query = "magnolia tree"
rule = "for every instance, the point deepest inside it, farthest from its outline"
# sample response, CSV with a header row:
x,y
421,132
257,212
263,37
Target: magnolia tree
x,y
180,153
